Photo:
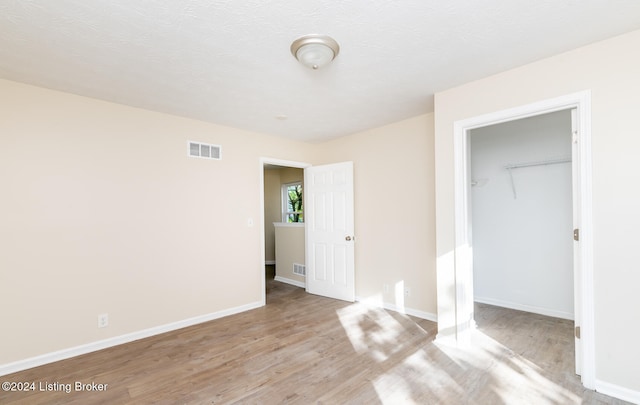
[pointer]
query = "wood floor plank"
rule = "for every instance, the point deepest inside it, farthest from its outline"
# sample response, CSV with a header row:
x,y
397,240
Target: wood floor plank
x,y
304,349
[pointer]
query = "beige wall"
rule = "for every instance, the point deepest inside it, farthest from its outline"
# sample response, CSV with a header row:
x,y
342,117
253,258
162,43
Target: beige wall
x,y
291,175
103,212
610,70
289,250
394,211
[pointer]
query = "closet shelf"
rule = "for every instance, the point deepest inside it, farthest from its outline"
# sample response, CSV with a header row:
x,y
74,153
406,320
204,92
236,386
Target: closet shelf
x,y
510,167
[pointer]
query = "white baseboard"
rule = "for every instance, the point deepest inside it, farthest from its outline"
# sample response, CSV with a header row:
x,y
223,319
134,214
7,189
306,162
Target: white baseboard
x,y
290,281
407,311
47,358
617,391
413,312
523,307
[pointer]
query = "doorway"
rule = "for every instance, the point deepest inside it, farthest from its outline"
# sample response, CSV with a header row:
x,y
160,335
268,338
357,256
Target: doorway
x,y
522,224
521,214
580,103
275,176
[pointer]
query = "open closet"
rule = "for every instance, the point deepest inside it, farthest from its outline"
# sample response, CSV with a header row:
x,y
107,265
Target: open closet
x,y
522,214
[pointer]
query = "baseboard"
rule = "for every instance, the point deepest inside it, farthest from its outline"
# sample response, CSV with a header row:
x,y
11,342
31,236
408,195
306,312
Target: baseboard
x,y
25,364
526,308
413,312
290,281
407,311
617,391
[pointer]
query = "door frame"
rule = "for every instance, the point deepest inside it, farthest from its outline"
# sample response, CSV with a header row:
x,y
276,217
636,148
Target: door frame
x,y
583,268
277,162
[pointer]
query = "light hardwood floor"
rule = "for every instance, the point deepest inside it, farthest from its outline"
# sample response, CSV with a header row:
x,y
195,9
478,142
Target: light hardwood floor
x,y
305,349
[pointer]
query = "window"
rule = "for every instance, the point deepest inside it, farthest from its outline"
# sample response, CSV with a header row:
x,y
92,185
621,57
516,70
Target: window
x,y
292,202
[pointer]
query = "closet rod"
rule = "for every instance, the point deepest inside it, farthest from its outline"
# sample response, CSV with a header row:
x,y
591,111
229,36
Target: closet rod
x,y
540,163
521,165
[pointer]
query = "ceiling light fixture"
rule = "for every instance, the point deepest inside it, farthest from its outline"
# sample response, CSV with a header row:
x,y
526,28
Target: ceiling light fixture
x,y
315,51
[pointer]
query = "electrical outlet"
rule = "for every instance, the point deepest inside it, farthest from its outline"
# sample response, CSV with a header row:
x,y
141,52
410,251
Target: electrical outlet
x,y
103,320
407,292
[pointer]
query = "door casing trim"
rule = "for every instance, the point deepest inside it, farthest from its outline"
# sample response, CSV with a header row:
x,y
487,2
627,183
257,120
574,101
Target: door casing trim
x,y
463,256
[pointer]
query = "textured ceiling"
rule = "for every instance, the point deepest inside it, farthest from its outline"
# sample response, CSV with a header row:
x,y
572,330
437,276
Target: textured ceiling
x,y
228,62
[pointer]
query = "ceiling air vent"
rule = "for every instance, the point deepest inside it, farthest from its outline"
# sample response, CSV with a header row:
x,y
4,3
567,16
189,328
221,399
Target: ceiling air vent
x,y
205,150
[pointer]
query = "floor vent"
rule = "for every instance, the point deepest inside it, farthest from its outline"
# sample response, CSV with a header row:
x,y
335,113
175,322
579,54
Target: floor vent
x,y
205,150
299,269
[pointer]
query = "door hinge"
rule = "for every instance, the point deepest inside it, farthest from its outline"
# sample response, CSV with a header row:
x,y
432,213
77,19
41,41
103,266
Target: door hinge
x,y
574,137
577,332
576,234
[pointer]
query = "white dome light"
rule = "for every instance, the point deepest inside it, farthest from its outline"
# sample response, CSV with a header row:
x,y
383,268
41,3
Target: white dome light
x,y
315,51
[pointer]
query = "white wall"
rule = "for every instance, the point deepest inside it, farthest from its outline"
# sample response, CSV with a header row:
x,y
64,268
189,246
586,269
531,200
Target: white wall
x,y
609,69
522,245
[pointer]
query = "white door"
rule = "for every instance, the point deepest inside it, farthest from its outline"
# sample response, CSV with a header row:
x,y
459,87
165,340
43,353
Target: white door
x,y
328,211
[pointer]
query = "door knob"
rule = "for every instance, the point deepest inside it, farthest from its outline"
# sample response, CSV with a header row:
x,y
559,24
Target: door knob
x,y
348,238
